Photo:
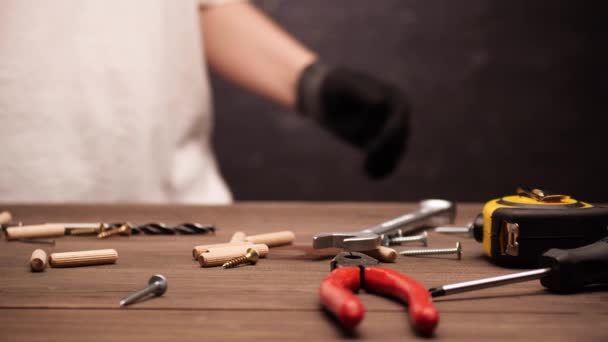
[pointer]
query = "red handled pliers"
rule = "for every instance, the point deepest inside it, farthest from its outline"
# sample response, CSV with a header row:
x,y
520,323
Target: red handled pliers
x,y
352,271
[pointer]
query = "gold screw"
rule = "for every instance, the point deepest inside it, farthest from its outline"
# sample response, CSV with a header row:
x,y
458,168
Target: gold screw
x,y
125,229
251,256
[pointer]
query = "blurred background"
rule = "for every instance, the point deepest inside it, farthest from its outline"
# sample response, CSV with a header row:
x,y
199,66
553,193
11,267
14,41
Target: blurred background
x,y
504,93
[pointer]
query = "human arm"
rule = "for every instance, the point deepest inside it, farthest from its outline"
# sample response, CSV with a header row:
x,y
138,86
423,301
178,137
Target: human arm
x,y
245,46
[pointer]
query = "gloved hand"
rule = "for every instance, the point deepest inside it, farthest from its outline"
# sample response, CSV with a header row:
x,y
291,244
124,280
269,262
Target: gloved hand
x,y
368,113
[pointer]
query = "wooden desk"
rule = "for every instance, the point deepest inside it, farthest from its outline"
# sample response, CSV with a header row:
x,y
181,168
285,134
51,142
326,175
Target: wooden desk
x,y
274,300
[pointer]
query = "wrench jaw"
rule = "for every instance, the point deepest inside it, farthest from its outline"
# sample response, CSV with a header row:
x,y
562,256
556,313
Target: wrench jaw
x,y
352,242
362,242
329,240
432,212
446,212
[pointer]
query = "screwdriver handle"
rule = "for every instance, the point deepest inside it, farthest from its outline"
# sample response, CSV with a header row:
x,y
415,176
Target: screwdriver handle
x,y
573,269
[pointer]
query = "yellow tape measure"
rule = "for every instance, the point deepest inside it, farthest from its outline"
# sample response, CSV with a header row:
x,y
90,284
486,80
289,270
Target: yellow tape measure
x,y
517,229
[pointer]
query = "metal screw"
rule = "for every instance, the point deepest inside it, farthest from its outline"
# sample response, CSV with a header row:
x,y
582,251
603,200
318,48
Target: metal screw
x,y
468,230
157,285
457,251
251,256
125,229
399,239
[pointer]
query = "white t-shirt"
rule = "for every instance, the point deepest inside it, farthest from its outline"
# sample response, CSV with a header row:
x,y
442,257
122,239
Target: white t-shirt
x,y
105,101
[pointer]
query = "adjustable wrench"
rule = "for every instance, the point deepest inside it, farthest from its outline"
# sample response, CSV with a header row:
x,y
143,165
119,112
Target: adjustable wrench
x,y
432,212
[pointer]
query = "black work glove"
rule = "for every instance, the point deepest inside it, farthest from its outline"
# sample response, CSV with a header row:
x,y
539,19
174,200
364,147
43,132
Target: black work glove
x,y
368,113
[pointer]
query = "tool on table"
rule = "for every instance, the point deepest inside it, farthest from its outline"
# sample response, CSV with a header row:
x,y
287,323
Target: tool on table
x,y
124,229
352,271
383,254
159,228
423,238
22,232
432,212
197,250
435,251
157,286
38,260
83,258
251,257
5,217
152,228
387,254
218,256
61,229
269,239
72,228
469,230
562,271
516,230
274,239
191,228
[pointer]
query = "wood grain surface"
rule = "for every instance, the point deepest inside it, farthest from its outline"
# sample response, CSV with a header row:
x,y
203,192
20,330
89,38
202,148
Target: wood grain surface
x,y
275,300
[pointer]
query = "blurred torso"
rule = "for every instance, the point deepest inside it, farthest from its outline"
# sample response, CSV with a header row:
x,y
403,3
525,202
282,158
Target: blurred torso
x,y
105,101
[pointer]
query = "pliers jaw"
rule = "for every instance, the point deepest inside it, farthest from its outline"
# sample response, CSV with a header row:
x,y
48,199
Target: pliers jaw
x,y
351,271
349,259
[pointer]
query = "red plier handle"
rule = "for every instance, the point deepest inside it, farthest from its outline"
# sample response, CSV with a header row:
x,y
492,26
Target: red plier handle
x,y
337,295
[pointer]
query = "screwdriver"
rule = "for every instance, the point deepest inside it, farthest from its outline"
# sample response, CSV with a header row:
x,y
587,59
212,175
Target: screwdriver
x,y
562,271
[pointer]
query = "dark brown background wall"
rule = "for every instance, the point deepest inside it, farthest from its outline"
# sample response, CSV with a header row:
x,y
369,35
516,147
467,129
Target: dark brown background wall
x,y
504,93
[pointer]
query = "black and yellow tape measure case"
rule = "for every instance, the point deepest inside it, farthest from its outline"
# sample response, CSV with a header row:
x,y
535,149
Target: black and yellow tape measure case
x,y
518,229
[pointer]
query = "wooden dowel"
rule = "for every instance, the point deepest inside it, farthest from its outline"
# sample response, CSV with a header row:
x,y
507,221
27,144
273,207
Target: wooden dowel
x,y
38,260
285,237
5,217
197,250
35,231
260,247
218,256
83,258
238,237
382,253
269,239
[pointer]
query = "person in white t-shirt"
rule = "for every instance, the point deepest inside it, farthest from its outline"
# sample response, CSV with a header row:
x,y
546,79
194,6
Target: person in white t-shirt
x,y
108,100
